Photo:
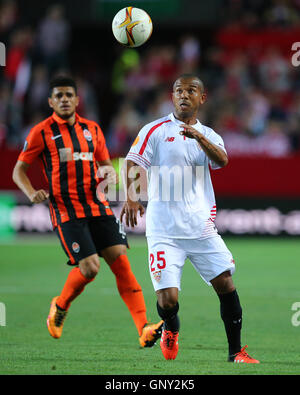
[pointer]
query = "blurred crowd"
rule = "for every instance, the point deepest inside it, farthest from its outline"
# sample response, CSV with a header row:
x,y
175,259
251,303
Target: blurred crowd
x,y
253,95
261,13
253,90
34,53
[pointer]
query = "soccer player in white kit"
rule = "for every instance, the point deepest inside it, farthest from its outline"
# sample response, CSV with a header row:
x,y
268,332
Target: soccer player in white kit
x,y
177,151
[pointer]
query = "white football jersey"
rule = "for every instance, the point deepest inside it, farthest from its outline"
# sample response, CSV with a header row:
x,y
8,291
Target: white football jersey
x,y
181,200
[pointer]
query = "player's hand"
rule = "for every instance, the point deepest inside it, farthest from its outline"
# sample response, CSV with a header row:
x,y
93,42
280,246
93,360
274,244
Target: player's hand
x,y
39,196
130,210
190,132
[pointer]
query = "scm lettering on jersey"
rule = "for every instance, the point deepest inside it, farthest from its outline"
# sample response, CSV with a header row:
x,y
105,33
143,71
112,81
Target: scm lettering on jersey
x,y
66,155
83,156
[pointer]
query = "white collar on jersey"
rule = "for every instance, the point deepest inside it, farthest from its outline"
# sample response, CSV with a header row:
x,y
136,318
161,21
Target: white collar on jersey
x,y
173,119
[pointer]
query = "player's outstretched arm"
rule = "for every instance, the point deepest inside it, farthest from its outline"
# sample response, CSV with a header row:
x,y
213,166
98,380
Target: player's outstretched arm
x,y
131,205
215,153
21,179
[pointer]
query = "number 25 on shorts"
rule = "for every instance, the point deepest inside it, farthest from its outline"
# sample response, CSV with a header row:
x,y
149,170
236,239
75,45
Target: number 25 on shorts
x,y
159,262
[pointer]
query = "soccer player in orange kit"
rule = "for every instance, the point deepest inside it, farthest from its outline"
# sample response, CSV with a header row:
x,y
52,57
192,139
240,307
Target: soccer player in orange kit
x,y
71,149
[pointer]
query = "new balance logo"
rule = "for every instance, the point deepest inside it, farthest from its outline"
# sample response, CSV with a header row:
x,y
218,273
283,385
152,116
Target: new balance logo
x,y
170,139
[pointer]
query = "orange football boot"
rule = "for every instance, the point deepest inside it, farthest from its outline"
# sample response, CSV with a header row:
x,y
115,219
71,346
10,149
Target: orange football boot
x,y
150,333
55,321
169,344
242,357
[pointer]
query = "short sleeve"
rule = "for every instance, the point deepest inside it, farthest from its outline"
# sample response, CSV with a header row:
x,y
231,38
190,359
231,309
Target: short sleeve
x,y
33,146
141,151
217,140
101,151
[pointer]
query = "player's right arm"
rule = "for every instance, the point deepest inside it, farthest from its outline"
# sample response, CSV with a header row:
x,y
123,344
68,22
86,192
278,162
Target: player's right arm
x,y
131,206
21,179
33,146
138,161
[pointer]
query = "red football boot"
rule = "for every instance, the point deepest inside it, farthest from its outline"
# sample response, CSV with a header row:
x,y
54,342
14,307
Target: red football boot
x,y
169,344
242,357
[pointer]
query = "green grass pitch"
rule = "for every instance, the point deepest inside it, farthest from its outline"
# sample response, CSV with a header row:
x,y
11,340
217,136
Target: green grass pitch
x,y
100,337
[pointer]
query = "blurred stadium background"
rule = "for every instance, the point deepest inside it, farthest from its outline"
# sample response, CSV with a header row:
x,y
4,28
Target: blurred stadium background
x,y
240,48
242,51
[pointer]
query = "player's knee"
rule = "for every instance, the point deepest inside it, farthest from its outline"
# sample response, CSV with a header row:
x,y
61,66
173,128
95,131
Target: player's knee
x,y
223,283
113,254
90,266
167,298
92,270
122,250
224,288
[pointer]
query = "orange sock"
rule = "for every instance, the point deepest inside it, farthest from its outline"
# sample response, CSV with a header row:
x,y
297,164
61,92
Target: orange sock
x,y
73,287
130,291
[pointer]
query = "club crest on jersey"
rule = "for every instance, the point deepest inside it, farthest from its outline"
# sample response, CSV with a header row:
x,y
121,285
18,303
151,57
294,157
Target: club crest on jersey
x,y
87,134
157,275
75,247
136,141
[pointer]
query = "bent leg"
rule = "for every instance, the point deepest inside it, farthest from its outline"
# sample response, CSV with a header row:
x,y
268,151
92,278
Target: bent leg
x,y
78,245
77,279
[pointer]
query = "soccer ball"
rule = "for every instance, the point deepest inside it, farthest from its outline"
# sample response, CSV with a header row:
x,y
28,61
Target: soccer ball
x,y
132,26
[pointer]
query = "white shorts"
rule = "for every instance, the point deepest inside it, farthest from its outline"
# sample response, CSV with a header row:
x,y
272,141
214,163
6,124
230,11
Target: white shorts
x,y
210,257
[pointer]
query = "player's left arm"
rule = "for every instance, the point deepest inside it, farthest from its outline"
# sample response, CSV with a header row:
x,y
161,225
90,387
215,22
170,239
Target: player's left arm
x,y
215,154
103,162
107,171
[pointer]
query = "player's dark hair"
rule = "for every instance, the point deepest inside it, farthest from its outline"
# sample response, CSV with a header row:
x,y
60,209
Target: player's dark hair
x,y
62,80
190,75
